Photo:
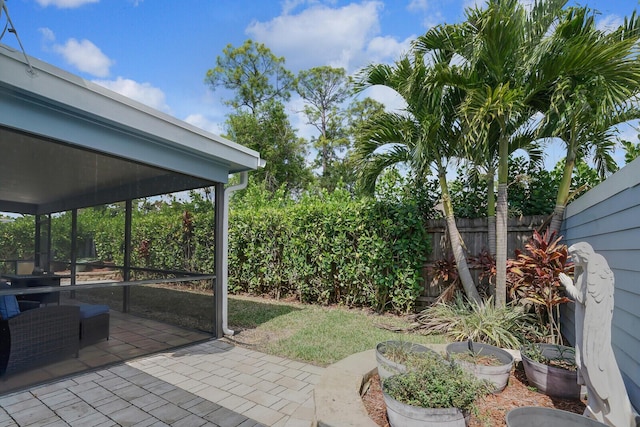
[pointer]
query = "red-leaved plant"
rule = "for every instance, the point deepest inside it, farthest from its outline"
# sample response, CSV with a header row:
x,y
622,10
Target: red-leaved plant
x,y
445,271
533,277
485,263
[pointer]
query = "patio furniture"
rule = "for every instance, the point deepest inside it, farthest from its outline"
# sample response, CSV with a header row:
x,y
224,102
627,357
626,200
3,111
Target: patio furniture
x,y
36,337
36,280
94,323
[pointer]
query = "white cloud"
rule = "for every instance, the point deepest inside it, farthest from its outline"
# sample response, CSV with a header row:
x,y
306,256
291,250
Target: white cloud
x,y
65,4
48,35
321,35
289,6
418,5
432,20
85,56
204,123
609,23
141,92
384,49
390,98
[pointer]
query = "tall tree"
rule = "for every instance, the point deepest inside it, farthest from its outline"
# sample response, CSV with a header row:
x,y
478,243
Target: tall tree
x,y
324,90
253,73
596,89
489,46
260,84
516,62
269,132
425,137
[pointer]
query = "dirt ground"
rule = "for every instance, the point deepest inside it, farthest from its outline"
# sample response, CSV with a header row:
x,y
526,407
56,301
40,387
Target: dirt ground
x,y
492,409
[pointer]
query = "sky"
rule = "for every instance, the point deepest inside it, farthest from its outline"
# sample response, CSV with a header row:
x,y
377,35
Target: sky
x,y
158,51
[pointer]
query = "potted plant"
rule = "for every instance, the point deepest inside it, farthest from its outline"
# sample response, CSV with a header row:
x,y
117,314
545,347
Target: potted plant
x,y
485,361
393,356
434,392
551,368
533,278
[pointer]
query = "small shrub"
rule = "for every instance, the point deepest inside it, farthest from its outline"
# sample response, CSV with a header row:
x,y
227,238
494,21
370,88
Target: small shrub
x,y
533,278
459,320
435,383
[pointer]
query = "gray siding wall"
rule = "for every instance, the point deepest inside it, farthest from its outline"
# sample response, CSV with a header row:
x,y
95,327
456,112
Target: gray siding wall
x,y
608,218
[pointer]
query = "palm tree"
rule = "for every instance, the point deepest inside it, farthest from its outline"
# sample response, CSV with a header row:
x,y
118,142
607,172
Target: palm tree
x,y
492,47
426,136
517,63
483,158
596,90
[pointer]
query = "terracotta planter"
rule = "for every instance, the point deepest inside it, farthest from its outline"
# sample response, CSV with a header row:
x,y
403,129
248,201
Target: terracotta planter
x,y
537,417
386,366
498,374
403,415
551,380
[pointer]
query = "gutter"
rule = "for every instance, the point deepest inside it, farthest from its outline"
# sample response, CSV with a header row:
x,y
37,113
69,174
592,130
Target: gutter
x,y
224,274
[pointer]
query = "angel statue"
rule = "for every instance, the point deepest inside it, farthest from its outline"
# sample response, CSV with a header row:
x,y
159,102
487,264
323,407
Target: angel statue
x,y
607,399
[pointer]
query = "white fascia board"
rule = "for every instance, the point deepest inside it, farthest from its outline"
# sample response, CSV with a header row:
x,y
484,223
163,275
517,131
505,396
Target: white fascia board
x,y
100,104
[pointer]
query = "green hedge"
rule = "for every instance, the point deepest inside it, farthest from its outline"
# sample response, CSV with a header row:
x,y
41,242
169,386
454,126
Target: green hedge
x,y
330,249
320,249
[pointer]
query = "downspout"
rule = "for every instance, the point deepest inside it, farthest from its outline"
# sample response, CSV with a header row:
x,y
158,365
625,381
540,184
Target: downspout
x,y
224,274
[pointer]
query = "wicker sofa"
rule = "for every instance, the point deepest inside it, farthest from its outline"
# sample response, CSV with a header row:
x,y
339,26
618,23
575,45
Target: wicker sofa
x,y
38,337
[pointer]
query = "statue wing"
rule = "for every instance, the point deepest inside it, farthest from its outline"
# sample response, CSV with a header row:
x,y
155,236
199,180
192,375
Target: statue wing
x,y
597,323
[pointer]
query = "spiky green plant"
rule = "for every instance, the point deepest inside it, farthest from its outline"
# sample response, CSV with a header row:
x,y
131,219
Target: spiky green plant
x,y
460,320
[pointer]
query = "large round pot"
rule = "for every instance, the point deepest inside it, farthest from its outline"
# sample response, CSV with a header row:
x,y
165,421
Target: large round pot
x,y
535,416
388,367
551,380
403,415
497,374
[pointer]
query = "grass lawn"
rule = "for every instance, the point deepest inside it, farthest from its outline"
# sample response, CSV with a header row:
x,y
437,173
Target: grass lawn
x,y
310,333
319,335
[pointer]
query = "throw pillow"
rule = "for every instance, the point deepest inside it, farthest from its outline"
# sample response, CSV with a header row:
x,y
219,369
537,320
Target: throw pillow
x,y
9,306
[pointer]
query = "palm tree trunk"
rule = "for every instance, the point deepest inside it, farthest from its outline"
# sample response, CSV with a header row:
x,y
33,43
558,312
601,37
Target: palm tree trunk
x,y
501,222
468,285
491,212
563,194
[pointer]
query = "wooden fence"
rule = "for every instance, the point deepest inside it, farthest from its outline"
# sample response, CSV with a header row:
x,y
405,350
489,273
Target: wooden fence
x,y
475,236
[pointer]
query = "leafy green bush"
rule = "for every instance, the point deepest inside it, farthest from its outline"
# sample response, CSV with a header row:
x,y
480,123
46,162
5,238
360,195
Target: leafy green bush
x,y
328,248
435,383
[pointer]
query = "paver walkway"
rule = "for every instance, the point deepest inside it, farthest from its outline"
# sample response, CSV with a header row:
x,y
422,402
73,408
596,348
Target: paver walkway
x,y
208,384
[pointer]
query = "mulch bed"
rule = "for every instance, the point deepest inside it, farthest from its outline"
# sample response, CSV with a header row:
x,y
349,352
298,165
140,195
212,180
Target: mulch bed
x,y
492,409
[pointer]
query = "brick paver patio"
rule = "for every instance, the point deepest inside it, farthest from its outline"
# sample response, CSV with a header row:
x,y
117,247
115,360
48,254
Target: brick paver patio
x,y
208,384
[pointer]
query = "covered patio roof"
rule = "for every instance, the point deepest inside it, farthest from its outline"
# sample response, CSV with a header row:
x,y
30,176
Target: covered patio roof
x,y
67,143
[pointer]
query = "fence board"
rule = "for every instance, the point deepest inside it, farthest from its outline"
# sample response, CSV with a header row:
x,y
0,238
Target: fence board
x,y
475,236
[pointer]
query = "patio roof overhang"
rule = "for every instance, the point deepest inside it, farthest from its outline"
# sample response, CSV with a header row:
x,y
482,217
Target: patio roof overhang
x,y
67,143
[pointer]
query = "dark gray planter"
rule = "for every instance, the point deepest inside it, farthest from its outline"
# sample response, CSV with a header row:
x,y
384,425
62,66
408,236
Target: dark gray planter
x,y
403,415
550,380
498,375
531,416
386,366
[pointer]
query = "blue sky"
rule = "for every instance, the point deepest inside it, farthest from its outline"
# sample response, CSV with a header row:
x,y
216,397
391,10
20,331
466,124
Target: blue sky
x,y
158,51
